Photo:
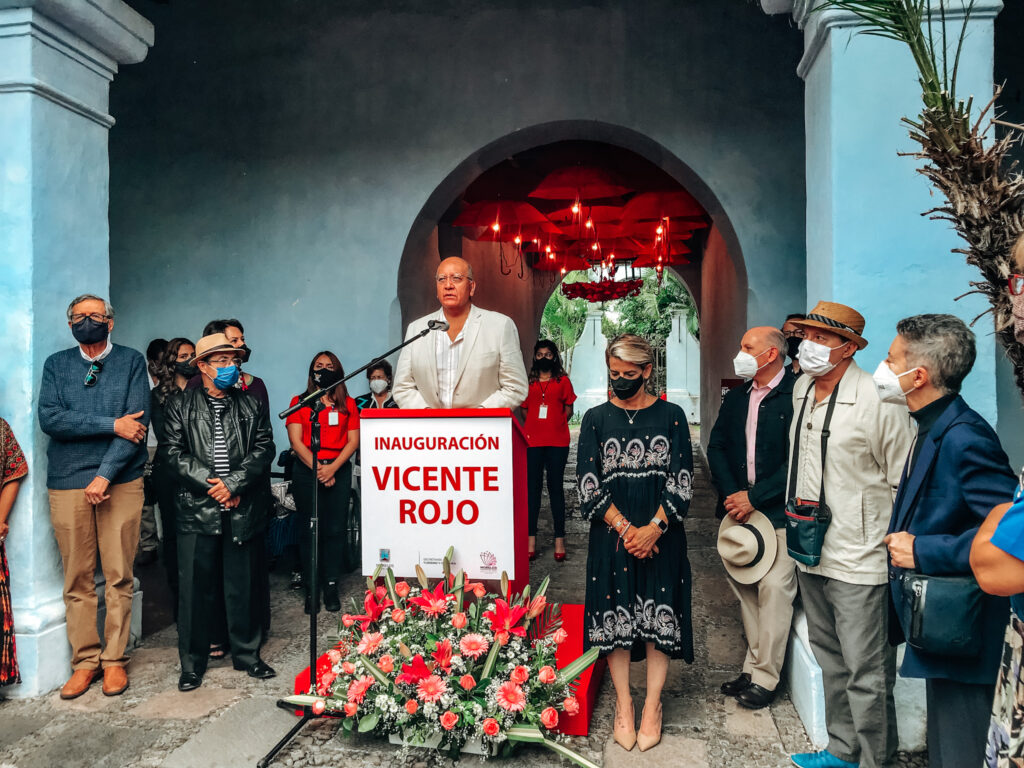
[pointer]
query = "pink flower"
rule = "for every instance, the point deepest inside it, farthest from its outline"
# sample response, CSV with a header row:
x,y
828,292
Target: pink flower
x,y
351,708
520,675
318,707
559,636
546,675
467,682
334,655
386,664
501,637
448,720
459,620
357,689
549,718
511,697
479,591
369,642
402,589
490,726
474,646
398,615
431,688
381,592
348,667
536,606
411,706
347,620
571,705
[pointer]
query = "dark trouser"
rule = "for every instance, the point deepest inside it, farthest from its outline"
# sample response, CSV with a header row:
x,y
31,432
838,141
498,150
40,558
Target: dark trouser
x,y
550,459
848,627
958,720
332,510
211,567
166,489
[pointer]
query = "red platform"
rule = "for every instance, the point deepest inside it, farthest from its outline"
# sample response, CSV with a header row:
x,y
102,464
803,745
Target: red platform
x,y
589,682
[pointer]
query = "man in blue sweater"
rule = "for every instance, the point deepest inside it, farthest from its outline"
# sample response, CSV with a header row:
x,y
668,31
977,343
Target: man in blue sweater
x,y
94,405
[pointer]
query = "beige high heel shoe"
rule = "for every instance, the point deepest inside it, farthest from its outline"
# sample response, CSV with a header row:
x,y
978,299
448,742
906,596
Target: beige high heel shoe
x,y
647,740
624,731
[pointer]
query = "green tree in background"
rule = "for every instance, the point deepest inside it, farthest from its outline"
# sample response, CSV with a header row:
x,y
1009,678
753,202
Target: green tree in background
x,y
563,319
649,313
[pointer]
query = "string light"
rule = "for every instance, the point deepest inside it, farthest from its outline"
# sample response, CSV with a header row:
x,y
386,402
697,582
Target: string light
x,y
563,270
660,229
593,247
547,249
495,226
575,207
589,224
518,240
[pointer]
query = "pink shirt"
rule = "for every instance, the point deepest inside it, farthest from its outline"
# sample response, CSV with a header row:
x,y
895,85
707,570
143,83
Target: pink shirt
x,y
757,394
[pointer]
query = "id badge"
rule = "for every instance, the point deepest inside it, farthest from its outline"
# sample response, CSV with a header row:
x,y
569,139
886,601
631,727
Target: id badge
x,y
542,412
332,419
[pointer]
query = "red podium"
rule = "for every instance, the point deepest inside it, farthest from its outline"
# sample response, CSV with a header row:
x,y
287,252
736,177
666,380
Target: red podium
x,y
434,479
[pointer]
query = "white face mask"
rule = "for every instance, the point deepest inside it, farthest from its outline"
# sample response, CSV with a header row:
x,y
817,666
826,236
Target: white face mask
x,y
887,384
378,386
814,358
745,364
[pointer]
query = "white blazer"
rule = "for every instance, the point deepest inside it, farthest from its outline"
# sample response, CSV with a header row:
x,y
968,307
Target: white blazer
x,y
490,373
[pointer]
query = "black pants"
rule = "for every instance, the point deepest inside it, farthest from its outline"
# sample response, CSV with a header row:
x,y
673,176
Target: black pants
x,y
218,580
549,459
166,489
958,720
332,510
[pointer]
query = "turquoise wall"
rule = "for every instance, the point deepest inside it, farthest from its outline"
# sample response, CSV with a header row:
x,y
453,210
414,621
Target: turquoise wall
x,y
270,158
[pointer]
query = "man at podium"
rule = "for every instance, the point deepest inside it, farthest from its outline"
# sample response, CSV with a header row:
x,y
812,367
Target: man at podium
x,y
475,362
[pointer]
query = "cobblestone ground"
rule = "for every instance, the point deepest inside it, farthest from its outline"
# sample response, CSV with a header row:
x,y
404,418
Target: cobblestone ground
x,y
232,720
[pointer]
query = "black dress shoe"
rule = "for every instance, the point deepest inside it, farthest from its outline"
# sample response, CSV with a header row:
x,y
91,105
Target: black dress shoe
x,y
733,687
189,681
260,670
755,697
331,601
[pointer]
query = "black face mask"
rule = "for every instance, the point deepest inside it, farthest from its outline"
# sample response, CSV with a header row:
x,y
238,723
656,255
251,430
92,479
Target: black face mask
x,y
246,353
325,377
792,347
625,388
88,331
544,364
186,370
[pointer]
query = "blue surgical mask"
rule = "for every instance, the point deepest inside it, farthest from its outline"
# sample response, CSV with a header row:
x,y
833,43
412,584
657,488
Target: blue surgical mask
x,y
227,376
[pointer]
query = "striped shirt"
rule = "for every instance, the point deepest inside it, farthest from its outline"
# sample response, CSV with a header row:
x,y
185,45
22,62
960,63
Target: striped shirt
x,y
448,353
221,459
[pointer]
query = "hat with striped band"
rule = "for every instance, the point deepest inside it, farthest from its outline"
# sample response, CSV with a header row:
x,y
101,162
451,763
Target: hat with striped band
x,y
838,319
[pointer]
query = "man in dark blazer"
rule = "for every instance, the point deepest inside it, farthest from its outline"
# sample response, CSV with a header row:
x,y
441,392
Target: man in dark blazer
x,y
956,472
747,454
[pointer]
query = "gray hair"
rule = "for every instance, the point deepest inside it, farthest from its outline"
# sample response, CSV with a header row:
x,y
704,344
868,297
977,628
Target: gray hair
x,y
943,345
108,308
777,339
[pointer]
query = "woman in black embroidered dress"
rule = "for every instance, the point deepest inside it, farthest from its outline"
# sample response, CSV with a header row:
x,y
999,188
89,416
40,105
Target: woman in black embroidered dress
x,y
634,472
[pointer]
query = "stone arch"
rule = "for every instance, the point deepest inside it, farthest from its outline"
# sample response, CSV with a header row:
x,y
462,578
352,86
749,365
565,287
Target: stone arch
x,y
718,281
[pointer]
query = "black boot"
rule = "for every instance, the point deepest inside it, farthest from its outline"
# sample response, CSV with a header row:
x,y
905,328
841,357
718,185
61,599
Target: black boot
x,y
331,601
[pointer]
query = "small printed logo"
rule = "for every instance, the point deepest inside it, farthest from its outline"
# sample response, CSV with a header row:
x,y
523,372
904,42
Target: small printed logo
x,y
385,555
488,561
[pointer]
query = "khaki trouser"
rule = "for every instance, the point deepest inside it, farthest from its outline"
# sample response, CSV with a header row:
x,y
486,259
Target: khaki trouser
x,y
81,528
766,608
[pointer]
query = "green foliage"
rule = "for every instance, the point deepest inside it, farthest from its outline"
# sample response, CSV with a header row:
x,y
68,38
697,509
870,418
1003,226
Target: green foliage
x,y
649,313
563,319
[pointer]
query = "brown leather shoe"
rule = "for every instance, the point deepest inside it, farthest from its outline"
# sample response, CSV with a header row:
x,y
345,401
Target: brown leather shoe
x,y
79,683
115,681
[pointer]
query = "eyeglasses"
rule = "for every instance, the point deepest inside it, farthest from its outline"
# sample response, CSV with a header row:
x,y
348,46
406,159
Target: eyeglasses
x,y
796,334
93,373
222,361
453,279
1016,283
95,316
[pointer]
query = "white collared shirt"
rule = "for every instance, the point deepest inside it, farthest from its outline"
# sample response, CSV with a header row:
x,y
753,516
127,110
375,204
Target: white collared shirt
x,y
448,353
106,351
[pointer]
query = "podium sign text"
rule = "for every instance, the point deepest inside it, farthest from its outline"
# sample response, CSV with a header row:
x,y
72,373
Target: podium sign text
x,y
432,483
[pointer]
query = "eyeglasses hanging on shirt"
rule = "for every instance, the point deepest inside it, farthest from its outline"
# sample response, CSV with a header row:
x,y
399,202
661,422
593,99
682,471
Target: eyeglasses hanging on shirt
x,y
93,373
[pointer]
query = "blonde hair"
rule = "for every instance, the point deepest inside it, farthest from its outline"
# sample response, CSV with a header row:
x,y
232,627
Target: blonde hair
x,y
630,348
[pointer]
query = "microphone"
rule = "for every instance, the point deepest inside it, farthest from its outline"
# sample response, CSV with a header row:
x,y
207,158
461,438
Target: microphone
x,y
438,325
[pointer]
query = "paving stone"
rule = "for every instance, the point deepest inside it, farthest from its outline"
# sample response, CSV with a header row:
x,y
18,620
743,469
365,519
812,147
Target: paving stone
x,y
239,737
750,723
673,752
175,705
13,727
92,700
726,647
98,746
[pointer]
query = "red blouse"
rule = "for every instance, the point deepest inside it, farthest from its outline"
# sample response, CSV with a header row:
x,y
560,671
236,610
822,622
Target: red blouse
x,y
553,429
334,426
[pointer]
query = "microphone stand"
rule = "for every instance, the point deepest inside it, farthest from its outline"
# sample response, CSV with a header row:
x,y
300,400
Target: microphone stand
x,y
315,404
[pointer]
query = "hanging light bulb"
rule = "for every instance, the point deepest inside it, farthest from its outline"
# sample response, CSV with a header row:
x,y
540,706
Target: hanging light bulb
x,y
593,247
536,241
563,270
547,249
551,256
495,226
518,240
660,229
612,257
576,207
589,224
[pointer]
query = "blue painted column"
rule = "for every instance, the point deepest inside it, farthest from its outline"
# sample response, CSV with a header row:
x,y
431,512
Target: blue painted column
x,y
868,245
57,60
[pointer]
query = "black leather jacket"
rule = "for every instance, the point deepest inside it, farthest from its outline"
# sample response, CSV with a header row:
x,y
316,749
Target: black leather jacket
x,y
187,453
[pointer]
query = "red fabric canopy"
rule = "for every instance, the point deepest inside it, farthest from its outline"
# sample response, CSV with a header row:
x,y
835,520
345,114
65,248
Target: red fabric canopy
x,y
651,206
503,212
579,182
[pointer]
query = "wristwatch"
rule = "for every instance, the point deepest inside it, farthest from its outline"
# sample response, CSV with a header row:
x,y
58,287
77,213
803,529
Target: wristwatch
x,y
662,525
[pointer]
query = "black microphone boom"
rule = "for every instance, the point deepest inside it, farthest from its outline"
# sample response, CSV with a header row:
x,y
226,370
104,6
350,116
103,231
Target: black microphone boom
x,y
438,325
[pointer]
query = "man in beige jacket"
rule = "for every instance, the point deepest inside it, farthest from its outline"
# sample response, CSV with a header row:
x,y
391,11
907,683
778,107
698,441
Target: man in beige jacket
x,y
844,596
475,363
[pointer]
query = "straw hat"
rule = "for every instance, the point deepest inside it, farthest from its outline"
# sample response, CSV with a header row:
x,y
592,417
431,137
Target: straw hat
x,y
838,319
209,345
747,549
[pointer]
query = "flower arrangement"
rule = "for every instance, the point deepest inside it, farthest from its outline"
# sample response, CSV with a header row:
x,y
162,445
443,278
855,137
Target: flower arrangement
x,y
603,290
450,664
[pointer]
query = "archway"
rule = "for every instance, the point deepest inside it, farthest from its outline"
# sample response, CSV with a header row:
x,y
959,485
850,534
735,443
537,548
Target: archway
x,y
716,276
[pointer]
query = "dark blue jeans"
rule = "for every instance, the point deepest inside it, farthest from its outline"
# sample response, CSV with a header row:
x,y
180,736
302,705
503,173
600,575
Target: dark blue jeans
x,y
551,460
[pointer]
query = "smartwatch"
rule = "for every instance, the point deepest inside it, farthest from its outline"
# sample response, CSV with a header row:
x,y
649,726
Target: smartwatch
x,y
662,525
